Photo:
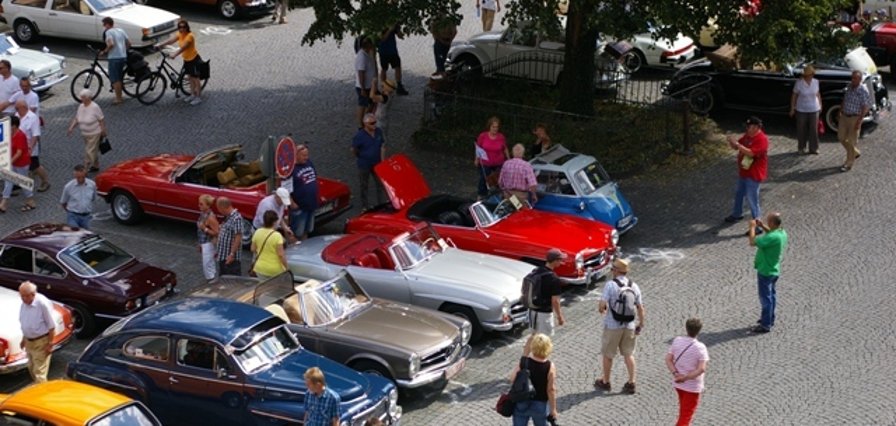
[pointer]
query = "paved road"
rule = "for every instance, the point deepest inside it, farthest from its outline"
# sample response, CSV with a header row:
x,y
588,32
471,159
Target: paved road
x,y
829,361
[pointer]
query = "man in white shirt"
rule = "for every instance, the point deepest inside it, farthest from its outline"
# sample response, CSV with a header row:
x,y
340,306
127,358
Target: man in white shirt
x,y
9,85
278,202
38,330
365,73
30,125
30,96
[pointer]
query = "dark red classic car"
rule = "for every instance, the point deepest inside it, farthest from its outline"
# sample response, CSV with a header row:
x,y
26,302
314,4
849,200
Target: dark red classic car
x,y
82,270
170,185
506,228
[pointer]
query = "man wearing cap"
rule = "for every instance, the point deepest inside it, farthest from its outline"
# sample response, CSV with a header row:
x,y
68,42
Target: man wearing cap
x,y
752,166
619,336
856,103
38,328
541,319
369,148
278,202
769,252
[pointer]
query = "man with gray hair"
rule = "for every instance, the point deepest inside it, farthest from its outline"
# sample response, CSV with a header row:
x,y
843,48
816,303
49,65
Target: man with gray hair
x,y
517,177
230,237
369,148
29,124
9,85
38,330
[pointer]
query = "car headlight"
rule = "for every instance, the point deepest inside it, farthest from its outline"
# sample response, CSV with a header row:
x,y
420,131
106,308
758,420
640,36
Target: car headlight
x,y
580,261
413,364
32,77
62,64
614,236
394,408
505,307
465,332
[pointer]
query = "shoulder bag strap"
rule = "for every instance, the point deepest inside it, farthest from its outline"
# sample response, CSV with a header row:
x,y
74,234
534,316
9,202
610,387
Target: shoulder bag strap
x,y
262,248
682,352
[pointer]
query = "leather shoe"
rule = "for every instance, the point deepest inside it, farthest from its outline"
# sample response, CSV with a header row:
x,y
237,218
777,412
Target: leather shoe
x,y
733,219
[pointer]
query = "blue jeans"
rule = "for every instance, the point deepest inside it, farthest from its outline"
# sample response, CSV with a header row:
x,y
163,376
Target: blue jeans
x,y
440,53
767,299
301,222
78,220
535,410
748,188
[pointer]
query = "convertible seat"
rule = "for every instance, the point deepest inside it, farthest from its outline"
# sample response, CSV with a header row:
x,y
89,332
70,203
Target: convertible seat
x,y
368,260
450,218
227,177
384,258
278,311
248,173
292,310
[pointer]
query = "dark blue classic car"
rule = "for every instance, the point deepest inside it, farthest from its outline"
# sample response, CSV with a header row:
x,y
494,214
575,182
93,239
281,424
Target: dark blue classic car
x,y
218,362
577,184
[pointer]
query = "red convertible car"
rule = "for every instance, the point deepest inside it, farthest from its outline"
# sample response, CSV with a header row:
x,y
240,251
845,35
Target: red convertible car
x,y
170,185
506,228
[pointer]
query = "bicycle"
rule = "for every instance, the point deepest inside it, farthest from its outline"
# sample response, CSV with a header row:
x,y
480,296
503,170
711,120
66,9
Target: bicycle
x,y
153,87
92,79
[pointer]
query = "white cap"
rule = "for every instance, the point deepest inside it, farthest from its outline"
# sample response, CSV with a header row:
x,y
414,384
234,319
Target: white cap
x,y
284,196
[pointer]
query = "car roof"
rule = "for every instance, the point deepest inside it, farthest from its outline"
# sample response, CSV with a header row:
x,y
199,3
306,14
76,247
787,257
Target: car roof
x,y
63,402
558,157
48,235
218,320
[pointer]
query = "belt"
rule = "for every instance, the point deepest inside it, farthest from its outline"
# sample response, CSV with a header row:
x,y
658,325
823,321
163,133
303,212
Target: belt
x,y
31,339
79,214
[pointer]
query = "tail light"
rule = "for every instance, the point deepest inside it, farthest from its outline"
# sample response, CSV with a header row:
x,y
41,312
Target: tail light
x,y
66,315
669,53
4,349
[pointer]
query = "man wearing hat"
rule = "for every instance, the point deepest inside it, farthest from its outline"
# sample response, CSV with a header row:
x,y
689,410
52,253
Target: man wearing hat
x,y
619,336
541,319
279,201
752,166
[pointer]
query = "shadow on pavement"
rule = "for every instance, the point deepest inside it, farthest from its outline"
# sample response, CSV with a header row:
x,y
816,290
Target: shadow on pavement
x,y
713,338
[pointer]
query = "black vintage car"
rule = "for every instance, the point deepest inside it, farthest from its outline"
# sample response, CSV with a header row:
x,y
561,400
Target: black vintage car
x,y
712,83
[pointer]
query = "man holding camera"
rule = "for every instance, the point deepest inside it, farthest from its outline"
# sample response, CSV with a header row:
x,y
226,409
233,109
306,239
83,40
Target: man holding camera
x,y
769,252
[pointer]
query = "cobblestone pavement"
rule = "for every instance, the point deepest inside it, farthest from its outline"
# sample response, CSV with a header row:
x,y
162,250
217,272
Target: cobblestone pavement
x,y
829,361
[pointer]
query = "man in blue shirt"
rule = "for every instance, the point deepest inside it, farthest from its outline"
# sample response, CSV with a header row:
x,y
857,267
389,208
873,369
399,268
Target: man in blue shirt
x,y
321,403
388,50
305,189
369,148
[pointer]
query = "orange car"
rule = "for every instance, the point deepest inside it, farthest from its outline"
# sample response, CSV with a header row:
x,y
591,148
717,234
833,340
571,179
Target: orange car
x,y
67,403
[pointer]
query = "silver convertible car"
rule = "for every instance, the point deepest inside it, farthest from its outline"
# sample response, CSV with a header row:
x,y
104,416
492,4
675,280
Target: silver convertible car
x,y
422,269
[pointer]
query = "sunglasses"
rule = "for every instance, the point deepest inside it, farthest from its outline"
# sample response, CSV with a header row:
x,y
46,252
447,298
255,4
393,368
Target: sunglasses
x,y
370,122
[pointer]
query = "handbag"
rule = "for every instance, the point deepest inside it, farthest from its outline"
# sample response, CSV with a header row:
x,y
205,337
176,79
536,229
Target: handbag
x,y
522,388
820,126
204,70
254,261
105,145
504,406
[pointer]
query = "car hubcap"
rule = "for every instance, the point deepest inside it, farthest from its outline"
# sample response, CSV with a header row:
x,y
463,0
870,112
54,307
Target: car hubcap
x,y
77,322
122,207
24,32
633,62
228,9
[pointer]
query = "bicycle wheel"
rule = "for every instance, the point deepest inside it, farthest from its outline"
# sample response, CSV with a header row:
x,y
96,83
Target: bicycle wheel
x,y
151,88
130,87
86,79
184,86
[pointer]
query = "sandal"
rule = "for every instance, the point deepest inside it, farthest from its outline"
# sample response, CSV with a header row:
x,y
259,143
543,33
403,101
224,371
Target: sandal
x,y
27,207
44,187
601,384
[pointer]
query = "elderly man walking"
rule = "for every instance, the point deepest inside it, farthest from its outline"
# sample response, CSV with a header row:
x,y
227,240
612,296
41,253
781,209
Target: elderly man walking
x,y
77,198
38,329
517,177
29,123
229,250
622,297
856,103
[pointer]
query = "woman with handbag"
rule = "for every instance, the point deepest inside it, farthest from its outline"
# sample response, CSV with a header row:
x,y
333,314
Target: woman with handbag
x,y
267,246
207,229
90,120
686,360
542,407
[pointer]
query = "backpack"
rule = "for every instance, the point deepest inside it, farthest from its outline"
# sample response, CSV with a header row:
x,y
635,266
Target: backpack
x,y
522,388
532,297
623,308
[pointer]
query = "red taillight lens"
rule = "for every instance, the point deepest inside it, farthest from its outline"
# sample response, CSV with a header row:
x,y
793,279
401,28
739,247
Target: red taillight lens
x,y
4,349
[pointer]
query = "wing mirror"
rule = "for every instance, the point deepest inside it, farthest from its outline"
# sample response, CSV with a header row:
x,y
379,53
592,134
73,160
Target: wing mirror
x,y
222,374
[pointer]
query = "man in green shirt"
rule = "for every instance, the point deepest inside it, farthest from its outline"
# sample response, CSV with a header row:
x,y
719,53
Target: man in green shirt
x,y
769,251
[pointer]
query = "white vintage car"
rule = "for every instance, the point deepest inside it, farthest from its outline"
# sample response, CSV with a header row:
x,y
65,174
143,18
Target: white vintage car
x,y
43,69
650,51
12,356
82,19
421,269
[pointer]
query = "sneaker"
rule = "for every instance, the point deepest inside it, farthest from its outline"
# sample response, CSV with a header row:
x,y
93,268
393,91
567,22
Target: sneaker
x,y
602,385
401,90
629,388
845,168
189,99
759,329
813,152
196,101
733,219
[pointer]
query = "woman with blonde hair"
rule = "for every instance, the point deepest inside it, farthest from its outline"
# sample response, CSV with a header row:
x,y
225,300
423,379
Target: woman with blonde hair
x,y
543,405
805,106
207,230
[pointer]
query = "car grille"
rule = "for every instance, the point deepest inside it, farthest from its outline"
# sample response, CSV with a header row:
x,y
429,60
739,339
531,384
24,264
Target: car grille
x,y
518,313
440,357
596,260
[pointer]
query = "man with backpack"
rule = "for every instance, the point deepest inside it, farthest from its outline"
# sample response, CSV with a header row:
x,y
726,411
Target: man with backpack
x,y
622,298
541,295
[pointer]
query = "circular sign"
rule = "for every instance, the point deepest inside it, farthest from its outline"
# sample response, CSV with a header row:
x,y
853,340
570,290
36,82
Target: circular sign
x,y
285,157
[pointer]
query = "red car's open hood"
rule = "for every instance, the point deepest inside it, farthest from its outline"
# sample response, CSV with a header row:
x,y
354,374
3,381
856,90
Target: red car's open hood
x,y
402,181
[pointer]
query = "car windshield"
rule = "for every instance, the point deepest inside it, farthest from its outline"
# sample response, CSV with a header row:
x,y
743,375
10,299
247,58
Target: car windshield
x,y
273,345
591,177
488,213
102,5
128,415
412,249
331,301
93,256
7,45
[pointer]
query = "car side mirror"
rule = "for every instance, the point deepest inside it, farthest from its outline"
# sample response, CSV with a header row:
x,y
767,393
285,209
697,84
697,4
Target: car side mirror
x,y
222,374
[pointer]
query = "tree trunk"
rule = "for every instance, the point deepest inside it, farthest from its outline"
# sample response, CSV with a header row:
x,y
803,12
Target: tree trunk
x,y
577,80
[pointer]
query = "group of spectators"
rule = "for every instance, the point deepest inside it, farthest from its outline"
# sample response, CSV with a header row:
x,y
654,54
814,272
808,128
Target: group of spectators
x,y
498,171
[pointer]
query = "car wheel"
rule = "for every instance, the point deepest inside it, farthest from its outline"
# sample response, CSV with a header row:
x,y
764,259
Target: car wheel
x,y
125,208
24,31
468,68
702,100
248,230
634,60
83,321
372,367
228,9
467,314
832,117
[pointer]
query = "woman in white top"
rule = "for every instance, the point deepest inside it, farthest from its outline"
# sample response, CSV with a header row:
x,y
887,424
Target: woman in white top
x,y
89,118
805,106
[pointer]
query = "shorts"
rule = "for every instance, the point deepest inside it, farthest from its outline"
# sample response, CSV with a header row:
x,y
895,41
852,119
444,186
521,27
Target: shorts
x,y
301,222
116,69
363,99
191,68
541,322
617,340
390,59
35,163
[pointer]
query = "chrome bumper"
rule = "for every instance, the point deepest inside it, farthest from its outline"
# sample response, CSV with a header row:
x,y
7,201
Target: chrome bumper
x,y
433,376
22,364
591,275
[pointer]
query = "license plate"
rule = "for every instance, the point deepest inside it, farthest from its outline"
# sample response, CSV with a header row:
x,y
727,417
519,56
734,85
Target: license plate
x,y
154,298
326,208
454,369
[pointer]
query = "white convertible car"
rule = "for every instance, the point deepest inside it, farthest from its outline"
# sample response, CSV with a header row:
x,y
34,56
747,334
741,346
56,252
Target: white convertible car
x,y
82,19
12,356
422,269
43,70
650,51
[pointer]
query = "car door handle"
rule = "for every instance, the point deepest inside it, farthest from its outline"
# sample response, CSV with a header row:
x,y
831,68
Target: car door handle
x,y
173,380
52,14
